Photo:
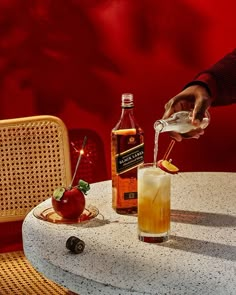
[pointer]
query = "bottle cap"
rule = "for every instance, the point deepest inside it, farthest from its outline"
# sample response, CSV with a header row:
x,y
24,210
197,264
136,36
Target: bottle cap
x,y
127,100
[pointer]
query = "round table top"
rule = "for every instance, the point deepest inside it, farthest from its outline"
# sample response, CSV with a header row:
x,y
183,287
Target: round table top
x,y
199,258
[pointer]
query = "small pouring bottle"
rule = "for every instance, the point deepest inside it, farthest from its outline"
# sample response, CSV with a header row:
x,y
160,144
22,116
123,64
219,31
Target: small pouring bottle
x,y
180,122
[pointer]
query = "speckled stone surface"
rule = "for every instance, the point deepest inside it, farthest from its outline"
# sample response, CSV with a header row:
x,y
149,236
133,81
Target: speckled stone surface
x,y
200,257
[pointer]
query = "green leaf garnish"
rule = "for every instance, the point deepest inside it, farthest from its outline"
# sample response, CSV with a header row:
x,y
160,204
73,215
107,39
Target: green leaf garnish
x,y
58,193
83,186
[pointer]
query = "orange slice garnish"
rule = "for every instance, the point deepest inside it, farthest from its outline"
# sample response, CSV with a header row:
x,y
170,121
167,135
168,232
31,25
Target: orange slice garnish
x,y
167,166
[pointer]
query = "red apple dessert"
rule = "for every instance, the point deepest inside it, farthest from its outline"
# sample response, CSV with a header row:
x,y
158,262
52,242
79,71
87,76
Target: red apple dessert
x,y
69,202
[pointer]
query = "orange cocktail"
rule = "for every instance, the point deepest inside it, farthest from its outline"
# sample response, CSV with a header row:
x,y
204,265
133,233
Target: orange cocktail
x,y
153,204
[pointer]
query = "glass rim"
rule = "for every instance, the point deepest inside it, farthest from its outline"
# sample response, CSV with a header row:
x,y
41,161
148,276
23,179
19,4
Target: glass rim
x,y
147,164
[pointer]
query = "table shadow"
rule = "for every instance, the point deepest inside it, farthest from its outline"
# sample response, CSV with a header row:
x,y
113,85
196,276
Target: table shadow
x,y
203,218
206,248
95,222
100,220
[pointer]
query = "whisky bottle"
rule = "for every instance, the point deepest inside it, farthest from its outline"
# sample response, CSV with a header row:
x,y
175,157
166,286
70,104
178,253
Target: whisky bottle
x,y
127,152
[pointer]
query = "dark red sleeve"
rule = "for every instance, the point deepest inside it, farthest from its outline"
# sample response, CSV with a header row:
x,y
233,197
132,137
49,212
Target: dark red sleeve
x,y
220,80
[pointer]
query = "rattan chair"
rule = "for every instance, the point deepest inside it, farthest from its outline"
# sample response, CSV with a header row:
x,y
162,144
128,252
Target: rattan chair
x,y
34,159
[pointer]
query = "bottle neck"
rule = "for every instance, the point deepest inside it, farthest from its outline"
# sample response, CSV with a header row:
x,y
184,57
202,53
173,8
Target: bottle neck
x,y
127,105
127,118
127,110
160,125
127,115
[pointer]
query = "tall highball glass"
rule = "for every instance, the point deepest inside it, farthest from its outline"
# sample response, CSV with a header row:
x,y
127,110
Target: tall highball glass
x,y
154,189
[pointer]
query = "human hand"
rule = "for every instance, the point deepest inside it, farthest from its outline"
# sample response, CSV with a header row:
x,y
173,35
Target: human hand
x,y
196,99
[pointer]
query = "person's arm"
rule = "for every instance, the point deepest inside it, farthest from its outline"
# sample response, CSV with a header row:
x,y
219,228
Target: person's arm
x,y
215,86
219,80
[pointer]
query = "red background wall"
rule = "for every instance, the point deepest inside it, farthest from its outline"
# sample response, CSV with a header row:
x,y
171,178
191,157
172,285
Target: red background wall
x,y
74,59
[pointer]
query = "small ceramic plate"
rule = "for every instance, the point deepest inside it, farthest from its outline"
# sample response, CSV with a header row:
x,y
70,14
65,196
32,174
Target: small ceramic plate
x,y
48,214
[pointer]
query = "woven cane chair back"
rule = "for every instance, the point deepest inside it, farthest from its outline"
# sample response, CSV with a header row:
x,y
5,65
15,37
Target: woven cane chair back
x,y
34,160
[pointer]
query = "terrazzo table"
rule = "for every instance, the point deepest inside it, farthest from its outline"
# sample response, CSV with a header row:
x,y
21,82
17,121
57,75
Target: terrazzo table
x,y
200,257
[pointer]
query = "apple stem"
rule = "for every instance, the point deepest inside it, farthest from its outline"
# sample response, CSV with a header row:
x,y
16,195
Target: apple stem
x,y
78,161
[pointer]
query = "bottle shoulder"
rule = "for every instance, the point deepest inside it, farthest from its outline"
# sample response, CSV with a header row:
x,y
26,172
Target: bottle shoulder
x,y
124,124
128,131
127,127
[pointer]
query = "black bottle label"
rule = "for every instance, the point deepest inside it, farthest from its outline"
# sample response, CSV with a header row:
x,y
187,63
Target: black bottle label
x,y
130,196
130,159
